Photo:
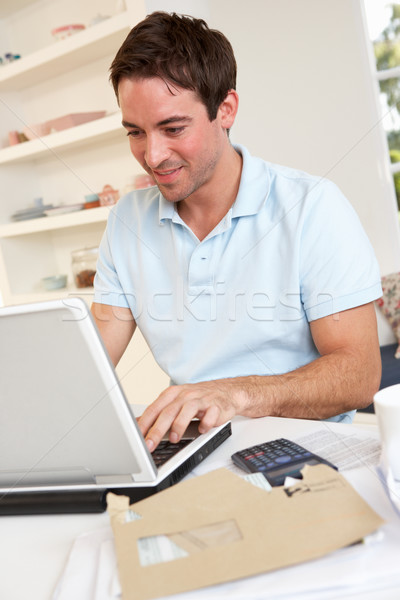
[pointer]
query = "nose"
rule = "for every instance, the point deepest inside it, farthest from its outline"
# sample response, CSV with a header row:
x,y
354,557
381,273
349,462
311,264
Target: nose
x,y
156,151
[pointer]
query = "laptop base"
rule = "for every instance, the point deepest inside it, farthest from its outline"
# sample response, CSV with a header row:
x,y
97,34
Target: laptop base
x,y
94,501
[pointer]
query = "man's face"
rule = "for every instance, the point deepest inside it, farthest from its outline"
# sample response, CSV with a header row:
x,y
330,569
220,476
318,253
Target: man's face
x,y
171,136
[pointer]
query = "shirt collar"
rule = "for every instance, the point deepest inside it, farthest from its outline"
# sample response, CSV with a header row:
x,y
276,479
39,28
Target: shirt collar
x,y
254,185
253,189
166,209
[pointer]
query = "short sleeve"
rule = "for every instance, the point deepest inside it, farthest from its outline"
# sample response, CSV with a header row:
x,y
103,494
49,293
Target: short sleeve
x,y
338,267
107,286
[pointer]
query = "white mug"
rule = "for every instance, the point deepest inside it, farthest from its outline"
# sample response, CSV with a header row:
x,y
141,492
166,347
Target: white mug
x,y
387,410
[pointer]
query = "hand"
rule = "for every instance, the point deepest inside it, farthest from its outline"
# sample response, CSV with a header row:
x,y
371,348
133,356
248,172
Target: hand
x,y
213,402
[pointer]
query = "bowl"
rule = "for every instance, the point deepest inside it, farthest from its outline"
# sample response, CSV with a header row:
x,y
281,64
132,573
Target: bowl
x,y
54,282
60,33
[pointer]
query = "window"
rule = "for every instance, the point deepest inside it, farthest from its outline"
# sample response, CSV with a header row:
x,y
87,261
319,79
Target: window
x,y
383,21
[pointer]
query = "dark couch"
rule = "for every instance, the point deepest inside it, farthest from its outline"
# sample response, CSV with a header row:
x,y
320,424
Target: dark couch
x,y
390,370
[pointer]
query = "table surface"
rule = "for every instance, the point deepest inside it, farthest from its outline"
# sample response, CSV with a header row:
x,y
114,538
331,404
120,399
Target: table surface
x,y
34,549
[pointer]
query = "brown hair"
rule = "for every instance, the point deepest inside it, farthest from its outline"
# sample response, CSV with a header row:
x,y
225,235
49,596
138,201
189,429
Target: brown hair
x,y
183,51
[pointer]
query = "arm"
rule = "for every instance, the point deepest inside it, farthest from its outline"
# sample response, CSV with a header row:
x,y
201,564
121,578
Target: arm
x,y
116,326
344,377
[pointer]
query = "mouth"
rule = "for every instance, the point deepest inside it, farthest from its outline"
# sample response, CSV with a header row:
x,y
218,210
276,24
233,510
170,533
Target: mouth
x,y
167,176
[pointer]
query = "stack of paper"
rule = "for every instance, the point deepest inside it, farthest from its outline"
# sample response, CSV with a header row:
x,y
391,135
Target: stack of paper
x,y
362,566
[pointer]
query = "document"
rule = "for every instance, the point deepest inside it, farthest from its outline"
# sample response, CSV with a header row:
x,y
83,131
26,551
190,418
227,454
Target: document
x,y
87,550
346,451
208,517
363,567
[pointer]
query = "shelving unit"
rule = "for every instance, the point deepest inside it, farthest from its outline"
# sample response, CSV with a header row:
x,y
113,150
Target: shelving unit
x,y
65,55
73,219
98,131
63,77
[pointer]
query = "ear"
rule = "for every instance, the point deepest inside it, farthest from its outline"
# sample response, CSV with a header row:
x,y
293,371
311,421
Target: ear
x,y
228,109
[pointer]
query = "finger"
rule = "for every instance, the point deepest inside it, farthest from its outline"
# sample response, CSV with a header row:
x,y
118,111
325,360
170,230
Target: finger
x,y
152,412
189,410
210,419
163,423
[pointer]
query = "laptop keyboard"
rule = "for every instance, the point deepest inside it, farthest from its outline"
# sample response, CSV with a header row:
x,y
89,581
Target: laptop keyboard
x,y
166,450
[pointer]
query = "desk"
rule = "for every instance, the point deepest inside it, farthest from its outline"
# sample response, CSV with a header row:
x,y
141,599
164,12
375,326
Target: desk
x,y
34,549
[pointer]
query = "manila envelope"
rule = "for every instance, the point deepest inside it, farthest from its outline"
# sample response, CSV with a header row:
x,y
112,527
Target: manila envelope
x,y
225,528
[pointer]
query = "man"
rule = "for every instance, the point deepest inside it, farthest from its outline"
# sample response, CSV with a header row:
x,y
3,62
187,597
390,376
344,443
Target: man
x,y
252,283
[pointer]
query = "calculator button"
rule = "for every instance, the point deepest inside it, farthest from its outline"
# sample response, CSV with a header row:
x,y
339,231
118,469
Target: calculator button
x,y
283,459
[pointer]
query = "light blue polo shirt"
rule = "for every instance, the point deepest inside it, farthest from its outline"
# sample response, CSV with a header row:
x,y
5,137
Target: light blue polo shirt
x,y
289,251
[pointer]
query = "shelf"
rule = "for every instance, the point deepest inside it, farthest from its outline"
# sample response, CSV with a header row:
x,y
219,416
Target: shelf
x,y
74,219
70,75
65,55
105,128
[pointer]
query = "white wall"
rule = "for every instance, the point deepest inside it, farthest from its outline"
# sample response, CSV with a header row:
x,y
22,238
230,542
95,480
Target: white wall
x,y
307,100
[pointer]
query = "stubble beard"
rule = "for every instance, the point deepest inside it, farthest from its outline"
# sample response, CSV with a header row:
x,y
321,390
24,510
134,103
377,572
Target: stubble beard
x,y
196,180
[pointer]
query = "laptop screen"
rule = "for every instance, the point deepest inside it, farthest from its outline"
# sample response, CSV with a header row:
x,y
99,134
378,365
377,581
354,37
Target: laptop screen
x,y
64,418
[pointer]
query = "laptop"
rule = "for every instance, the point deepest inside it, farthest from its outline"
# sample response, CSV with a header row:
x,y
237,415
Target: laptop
x,y
67,432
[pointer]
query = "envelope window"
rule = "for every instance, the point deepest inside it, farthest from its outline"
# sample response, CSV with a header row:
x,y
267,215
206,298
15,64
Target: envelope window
x,y
164,548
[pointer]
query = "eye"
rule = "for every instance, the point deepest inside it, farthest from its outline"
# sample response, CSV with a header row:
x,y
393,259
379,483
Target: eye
x,y
133,133
174,130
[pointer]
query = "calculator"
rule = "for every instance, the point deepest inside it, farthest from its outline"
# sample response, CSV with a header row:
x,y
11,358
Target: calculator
x,y
277,460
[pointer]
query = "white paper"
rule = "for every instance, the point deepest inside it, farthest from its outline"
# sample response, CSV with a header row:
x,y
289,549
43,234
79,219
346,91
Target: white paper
x,y
105,588
78,580
158,549
345,451
258,480
355,569
359,568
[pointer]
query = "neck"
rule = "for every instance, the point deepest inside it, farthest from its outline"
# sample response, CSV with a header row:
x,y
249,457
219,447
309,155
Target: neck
x,y
207,207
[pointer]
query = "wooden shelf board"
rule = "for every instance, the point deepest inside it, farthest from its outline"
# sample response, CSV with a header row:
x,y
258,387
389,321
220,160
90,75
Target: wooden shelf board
x,y
74,219
107,127
65,55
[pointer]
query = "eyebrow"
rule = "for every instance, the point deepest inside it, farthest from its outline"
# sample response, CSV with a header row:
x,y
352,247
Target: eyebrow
x,y
173,119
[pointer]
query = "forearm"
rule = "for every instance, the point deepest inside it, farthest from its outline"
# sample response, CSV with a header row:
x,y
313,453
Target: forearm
x,y
344,377
116,327
328,386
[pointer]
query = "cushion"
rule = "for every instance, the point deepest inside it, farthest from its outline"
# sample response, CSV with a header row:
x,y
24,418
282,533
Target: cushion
x,y
390,304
